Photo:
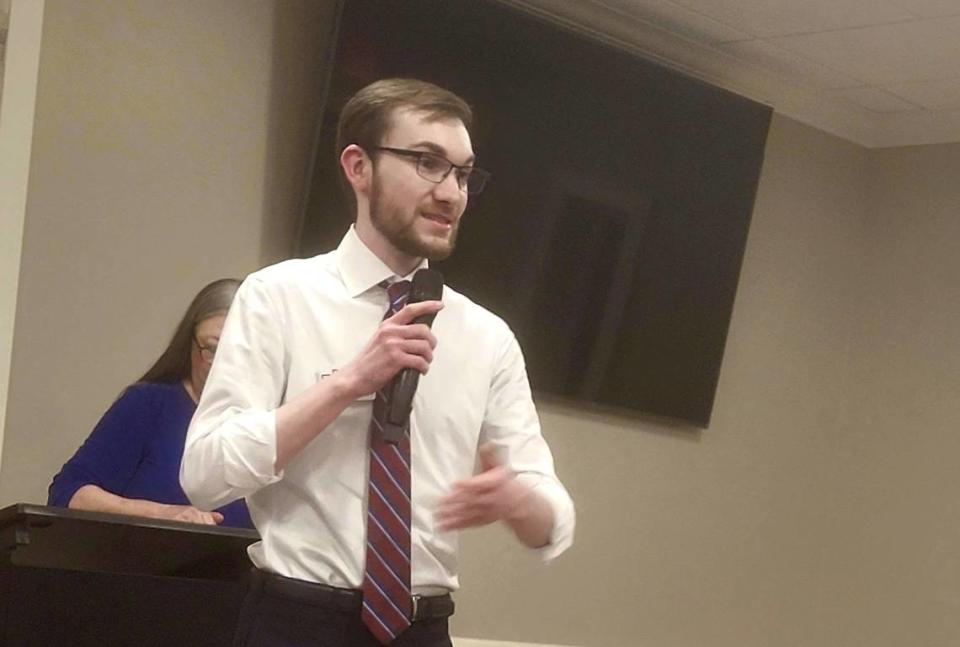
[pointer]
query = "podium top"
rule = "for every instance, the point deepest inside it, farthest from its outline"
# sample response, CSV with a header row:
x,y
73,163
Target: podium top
x,y
44,536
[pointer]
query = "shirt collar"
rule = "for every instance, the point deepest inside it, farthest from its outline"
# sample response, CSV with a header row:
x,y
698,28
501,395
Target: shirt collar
x,y
361,269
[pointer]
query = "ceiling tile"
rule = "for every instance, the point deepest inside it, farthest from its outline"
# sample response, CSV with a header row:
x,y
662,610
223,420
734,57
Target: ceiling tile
x,y
932,95
780,17
931,8
674,18
914,51
875,100
789,66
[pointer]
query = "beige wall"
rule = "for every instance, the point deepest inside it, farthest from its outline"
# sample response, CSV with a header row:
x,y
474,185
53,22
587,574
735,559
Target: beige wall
x,y
170,149
19,60
903,534
815,511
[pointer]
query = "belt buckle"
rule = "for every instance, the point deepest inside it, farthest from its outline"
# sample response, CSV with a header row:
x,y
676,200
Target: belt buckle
x,y
415,601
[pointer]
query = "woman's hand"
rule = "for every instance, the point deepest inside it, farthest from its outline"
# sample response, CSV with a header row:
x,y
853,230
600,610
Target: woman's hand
x,y
189,514
94,498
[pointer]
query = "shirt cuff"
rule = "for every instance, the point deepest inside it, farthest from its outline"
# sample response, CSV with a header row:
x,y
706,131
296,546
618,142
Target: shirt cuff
x,y
250,454
564,517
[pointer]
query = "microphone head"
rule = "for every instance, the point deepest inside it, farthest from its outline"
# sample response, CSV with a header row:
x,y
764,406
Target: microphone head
x,y
427,285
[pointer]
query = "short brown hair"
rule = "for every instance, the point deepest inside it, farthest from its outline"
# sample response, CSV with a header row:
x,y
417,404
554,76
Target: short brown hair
x,y
366,117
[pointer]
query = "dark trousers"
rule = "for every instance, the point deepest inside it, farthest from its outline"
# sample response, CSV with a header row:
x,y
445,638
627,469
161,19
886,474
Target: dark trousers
x,y
268,620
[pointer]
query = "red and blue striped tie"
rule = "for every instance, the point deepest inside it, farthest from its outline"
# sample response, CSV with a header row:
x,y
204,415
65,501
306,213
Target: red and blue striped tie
x,y
387,603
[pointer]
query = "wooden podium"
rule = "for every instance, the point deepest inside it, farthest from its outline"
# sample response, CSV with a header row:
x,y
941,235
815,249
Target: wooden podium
x,y
76,578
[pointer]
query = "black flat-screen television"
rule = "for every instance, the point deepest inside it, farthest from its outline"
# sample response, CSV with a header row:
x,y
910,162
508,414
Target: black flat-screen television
x,y
612,233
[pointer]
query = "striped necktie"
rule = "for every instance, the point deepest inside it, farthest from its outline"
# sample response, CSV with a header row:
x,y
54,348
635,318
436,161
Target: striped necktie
x,y
387,603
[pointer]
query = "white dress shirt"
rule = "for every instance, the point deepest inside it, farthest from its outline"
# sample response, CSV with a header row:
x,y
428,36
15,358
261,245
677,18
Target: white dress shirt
x,y
297,322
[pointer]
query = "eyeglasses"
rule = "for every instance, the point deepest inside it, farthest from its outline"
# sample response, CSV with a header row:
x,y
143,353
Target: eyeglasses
x,y
207,353
434,168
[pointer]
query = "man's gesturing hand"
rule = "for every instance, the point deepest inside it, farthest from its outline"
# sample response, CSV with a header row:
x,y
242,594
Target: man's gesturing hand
x,y
397,344
493,495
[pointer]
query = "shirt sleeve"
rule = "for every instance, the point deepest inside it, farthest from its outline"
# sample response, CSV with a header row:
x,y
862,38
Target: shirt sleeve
x,y
231,445
512,424
111,454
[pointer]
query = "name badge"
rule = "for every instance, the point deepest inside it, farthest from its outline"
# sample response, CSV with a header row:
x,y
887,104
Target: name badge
x,y
322,376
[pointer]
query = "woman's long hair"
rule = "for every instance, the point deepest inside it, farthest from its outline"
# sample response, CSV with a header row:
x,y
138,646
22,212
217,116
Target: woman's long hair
x,y
174,364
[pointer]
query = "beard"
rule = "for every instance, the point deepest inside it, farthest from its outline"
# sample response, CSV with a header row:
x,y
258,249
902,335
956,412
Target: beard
x,y
399,228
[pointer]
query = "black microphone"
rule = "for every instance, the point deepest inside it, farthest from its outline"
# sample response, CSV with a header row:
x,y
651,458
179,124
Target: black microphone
x,y
427,286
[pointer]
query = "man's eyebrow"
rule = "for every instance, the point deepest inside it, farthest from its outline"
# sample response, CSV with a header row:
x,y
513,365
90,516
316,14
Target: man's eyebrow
x,y
441,151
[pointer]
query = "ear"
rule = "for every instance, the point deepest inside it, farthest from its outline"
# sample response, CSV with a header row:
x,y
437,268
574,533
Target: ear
x,y
357,167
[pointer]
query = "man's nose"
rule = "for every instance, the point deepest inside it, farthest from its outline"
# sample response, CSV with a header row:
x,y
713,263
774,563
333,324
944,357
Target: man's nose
x,y
448,189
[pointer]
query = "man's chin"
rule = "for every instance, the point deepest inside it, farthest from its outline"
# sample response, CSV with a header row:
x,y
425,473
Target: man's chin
x,y
441,248
430,248
439,254
434,252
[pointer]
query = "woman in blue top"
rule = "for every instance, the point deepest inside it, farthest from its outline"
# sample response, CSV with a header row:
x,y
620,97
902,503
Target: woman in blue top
x,y
130,464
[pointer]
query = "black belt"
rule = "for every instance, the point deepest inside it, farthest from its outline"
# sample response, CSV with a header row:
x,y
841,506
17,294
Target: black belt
x,y
331,597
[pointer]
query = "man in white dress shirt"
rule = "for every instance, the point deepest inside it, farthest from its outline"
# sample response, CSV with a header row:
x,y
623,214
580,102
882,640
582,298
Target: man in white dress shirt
x,y
285,417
